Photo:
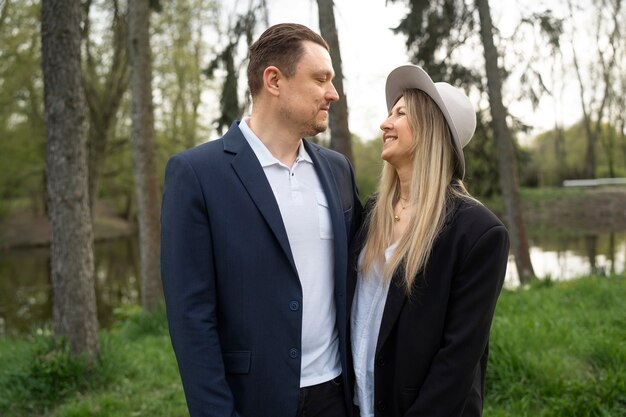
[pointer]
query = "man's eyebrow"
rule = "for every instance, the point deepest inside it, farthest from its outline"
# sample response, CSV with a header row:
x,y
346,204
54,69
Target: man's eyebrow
x,y
324,73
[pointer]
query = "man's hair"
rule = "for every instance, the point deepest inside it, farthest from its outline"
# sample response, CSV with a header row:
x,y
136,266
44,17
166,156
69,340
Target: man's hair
x,y
281,46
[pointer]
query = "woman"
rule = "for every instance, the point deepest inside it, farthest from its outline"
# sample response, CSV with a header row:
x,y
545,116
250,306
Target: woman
x,y
431,262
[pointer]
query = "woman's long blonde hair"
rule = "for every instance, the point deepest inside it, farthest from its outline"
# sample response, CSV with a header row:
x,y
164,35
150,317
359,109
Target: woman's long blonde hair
x,y
431,187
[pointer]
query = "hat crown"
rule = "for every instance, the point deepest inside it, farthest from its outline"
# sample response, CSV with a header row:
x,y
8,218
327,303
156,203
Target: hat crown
x,y
462,117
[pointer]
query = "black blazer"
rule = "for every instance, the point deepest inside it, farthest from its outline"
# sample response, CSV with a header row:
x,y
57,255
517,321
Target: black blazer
x,y
233,295
432,349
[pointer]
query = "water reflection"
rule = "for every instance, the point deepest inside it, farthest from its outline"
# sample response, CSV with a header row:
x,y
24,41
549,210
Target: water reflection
x,y
567,257
26,294
26,290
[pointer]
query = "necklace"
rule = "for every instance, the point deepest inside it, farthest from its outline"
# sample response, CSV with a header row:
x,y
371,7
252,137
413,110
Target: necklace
x,y
396,217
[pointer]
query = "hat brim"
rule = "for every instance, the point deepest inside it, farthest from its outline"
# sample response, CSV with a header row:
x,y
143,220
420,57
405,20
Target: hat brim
x,y
410,76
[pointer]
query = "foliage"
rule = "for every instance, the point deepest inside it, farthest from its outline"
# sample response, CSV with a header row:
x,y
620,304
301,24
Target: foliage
x,y
368,165
22,142
42,373
135,324
481,164
136,374
435,31
549,171
181,92
244,26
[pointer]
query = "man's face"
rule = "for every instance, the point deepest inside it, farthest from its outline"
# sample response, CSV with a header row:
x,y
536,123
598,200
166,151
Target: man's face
x,y
307,95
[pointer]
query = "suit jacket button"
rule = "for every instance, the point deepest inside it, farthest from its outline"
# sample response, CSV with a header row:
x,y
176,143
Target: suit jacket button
x,y
380,406
380,361
293,353
294,305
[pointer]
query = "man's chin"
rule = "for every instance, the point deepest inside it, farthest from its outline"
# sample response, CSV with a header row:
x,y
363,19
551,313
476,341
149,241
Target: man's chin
x,y
315,129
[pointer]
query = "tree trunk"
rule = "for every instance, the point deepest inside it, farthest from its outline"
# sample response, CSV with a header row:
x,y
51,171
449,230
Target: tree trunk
x,y
104,92
590,156
72,263
340,137
143,152
507,161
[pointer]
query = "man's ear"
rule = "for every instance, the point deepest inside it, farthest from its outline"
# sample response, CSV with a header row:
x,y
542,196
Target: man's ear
x,y
271,78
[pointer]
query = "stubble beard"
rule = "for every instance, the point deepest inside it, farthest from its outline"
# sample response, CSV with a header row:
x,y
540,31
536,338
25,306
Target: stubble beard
x,y
311,127
315,127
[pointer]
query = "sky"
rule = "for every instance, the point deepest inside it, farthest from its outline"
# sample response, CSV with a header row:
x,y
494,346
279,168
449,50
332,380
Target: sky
x,y
370,50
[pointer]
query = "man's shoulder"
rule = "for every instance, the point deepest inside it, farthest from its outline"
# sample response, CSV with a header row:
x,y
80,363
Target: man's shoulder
x,y
202,152
213,148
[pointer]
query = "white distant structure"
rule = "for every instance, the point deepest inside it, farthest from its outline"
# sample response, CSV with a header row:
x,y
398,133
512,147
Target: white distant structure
x,y
594,182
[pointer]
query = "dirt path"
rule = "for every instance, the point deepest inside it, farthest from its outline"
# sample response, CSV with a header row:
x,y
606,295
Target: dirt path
x,y
600,210
22,228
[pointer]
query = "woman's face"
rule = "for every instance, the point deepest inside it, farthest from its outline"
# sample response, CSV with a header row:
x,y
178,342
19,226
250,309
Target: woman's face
x,y
397,136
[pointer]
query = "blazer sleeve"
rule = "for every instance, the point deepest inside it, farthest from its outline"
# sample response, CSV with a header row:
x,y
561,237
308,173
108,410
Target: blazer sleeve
x,y
189,283
473,295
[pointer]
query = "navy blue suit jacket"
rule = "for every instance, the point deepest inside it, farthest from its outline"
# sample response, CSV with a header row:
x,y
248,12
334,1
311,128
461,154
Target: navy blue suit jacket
x,y
233,296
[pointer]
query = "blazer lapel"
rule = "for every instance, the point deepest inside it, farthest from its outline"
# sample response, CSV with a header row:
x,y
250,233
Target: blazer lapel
x,y
396,297
251,175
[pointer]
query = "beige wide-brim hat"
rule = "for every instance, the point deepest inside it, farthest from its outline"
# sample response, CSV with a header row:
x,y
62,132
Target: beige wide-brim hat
x,y
454,104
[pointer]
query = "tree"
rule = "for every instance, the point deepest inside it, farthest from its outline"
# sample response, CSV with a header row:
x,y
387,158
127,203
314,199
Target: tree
x,y
339,130
104,88
244,25
143,152
72,268
605,69
507,161
181,33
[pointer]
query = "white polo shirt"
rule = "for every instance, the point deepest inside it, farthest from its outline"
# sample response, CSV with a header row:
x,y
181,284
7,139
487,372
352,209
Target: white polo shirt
x,y
304,209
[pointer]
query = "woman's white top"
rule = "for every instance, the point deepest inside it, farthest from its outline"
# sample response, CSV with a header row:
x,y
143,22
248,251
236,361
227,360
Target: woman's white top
x,y
367,314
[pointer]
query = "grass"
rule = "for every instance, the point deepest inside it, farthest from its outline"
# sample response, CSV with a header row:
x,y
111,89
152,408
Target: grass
x,y
136,375
557,349
543,195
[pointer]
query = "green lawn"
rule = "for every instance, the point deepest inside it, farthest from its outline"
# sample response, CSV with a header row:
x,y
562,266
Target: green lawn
x,y
559,350
556,350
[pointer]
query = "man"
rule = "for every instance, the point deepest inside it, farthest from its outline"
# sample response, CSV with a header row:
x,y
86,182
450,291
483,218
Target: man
x,y
255,233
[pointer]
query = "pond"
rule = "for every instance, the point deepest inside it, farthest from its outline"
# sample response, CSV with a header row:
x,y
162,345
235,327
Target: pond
x,y
26,295
563,258
26,292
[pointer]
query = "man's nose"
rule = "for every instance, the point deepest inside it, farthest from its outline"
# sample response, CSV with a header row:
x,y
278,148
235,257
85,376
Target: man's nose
x,y
331,94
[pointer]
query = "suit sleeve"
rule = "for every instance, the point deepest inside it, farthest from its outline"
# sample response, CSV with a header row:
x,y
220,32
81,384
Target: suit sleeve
x,y
471,306
189,283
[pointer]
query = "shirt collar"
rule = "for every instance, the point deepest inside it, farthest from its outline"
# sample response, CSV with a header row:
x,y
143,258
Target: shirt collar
x,y
263,154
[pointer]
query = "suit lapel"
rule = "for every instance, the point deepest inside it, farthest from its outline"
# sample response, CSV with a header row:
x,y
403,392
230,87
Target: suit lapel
x,y
251,175
396,297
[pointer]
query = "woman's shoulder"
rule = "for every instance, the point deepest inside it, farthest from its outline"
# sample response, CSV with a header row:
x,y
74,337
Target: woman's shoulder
x,y
470,213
